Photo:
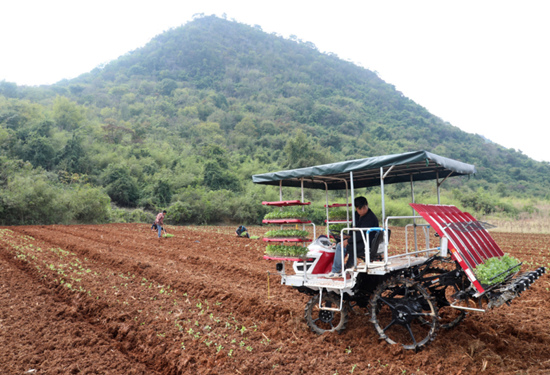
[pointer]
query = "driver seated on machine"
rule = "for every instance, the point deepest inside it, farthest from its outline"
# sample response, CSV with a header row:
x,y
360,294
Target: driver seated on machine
x,y
364,218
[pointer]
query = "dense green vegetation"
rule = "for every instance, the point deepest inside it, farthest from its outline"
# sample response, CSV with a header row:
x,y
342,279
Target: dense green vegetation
x,y
184,122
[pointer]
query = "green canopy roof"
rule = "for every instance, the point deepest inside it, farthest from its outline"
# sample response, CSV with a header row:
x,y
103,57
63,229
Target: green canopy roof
x,y
421,165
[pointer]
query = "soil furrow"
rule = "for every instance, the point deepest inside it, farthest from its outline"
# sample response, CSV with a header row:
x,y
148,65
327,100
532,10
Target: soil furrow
x,y
115,299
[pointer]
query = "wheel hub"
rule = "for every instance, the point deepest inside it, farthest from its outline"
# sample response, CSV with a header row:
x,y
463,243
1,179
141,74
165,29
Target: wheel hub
x,y
404,314
326,316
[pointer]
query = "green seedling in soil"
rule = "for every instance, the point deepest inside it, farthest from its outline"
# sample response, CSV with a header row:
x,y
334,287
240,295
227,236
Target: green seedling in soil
x,y
74,271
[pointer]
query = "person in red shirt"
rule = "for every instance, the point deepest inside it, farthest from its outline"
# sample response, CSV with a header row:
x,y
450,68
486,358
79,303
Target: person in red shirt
x,y
159,221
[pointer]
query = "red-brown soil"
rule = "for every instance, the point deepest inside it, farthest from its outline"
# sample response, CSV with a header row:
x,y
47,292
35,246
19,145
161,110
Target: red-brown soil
x,y
114,299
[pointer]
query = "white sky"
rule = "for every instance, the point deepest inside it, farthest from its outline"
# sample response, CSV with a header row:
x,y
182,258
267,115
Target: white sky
x,y
481,65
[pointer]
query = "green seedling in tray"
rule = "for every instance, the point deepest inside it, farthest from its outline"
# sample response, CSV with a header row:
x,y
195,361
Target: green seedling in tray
x,y
287,233
339,214
286,251
495,270
286,214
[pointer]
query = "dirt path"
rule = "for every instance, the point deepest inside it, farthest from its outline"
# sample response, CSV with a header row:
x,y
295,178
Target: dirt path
x,y
114,299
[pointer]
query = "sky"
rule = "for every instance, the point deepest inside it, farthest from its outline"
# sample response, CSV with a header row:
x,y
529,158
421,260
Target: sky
x,y
482,66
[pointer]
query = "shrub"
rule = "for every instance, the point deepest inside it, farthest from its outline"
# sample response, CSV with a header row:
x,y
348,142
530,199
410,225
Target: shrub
x,y
124,215
31,199
89,205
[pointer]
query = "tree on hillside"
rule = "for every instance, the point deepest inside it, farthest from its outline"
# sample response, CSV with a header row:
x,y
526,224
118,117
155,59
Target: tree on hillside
x,y
121,187
73,157
40,152
301,152
67,114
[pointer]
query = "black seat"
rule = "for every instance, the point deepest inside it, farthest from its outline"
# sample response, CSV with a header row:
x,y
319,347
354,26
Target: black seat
x,y
375,244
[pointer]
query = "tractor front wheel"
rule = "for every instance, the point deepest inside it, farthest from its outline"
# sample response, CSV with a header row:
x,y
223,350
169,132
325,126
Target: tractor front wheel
x,y
321,320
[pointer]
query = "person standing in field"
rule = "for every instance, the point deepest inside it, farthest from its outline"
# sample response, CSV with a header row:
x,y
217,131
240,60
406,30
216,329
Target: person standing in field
x,y
159,221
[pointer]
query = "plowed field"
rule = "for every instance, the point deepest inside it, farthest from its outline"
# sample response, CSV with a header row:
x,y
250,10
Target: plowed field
x,y
114,299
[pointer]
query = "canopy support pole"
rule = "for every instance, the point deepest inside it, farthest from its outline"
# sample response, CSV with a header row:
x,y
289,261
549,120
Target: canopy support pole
x,y
414,219
382,176
352,188
439,185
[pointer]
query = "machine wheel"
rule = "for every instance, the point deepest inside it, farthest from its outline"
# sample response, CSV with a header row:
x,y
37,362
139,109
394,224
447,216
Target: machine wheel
x,y
321,321
403,312
449,317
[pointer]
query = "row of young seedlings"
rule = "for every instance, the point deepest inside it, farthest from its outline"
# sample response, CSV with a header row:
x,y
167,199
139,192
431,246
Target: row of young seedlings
x,y
68,270
191,328
68,274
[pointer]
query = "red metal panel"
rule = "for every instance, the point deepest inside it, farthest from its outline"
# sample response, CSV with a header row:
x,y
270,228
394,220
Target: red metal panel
x,y
469,242
472,228
495,249
457,224
438,220
285,221
286,203
295,259
288,239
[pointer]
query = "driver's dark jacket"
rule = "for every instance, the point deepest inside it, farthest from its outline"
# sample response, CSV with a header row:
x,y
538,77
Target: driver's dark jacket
x,y
369,220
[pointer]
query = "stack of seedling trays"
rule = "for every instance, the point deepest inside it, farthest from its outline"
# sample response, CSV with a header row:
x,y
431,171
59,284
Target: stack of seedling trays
x,y
286,244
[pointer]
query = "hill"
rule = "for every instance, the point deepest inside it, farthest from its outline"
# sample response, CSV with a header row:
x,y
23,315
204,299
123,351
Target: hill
x,y
186,120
